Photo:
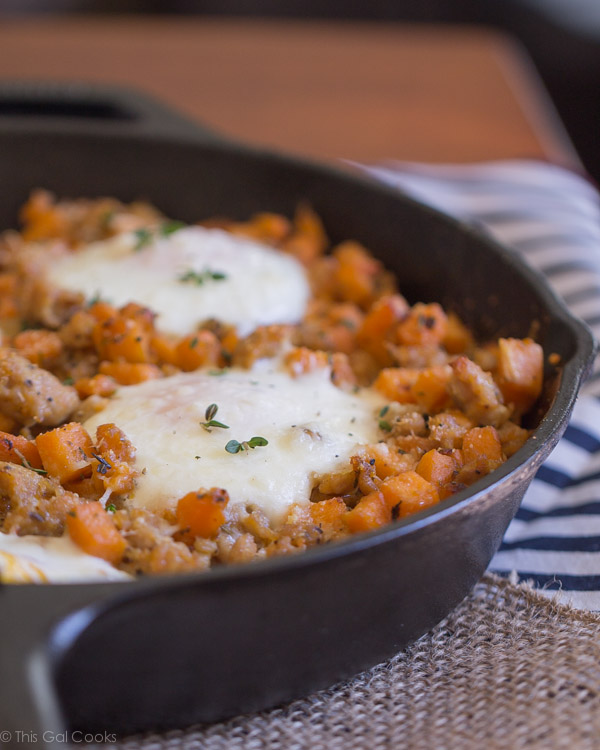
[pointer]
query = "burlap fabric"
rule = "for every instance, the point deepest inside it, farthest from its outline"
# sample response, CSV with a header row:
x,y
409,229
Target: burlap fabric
x,y
507,669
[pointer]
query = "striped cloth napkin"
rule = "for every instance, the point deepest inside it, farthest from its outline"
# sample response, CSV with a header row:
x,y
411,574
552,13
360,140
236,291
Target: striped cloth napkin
x,y
552,217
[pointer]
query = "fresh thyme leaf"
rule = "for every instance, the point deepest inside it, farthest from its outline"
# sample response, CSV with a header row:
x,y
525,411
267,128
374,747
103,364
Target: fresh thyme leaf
x,y
95,299
385,425
170,226
233,446
106,219
68,381
111,508
37,471
209,414
384,410
191,276
28,325
217,373
257,442
200,277
26,463
214,423
194,342
143,237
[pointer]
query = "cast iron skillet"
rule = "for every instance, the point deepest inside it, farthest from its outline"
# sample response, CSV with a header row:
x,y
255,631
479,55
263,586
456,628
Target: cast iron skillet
x,y
166,652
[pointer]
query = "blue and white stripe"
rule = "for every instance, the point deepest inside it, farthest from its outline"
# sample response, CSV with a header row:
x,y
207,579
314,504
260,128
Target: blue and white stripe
x,y
552,217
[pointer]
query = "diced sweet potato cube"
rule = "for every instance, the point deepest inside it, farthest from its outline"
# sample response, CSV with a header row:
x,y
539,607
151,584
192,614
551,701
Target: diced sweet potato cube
x,y
430,389
309,239
18,450
201,349
112,441
328,514
115,459
437,468
164,348
201,513
8,287
65,452
378,325
266,227
355,273
370,513
130,373
408,493
396,383
92,529
457,339
143,316
425,325
98,385
308,223
512,438
302,247
229,341
102,311
41,218
520,372
387,461
302,360
122,339
482,443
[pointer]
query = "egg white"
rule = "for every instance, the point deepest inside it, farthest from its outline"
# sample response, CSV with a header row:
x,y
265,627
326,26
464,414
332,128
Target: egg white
x,y
233,279
43,559
312,428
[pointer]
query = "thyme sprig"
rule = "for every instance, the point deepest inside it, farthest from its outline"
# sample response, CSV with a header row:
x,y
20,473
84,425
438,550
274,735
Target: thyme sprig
x,y
234,446
26,463
144,235
383,423
169,227
209,415
103,464
200,277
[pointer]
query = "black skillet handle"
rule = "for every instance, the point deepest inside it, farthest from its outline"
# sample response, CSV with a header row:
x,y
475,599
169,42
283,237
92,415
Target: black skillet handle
x,y
87,108
37,622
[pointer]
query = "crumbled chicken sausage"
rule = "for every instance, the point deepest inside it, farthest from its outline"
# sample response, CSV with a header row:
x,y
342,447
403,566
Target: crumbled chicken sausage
x,y
31,503
31,395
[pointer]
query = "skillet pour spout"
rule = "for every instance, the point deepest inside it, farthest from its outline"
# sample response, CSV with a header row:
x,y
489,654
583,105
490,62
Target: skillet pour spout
x,y
168,652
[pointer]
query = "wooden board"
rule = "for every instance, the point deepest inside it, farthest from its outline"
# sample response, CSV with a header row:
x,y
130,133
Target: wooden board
x,y
325,90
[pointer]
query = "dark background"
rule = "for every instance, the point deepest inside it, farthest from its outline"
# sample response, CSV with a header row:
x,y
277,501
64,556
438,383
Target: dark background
x,y
561,36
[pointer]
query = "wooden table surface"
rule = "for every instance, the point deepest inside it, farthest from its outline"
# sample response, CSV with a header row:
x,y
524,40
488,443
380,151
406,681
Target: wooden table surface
x,y
325,90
